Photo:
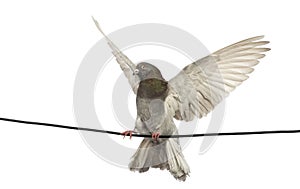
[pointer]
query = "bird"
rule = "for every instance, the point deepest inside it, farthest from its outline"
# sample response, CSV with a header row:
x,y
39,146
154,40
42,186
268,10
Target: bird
x,y
193,92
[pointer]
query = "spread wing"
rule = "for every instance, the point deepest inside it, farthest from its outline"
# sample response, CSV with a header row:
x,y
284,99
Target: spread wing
x,y
125,63
128,69
200,86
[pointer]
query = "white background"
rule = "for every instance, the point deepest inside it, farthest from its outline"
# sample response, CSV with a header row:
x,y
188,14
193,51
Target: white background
x,y
41,47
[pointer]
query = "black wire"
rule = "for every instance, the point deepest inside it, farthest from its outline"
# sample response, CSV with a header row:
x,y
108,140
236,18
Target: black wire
x,y
147,135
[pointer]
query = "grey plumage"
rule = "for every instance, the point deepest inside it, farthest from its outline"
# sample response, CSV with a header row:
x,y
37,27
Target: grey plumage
x,y
200,86
152,117
193,92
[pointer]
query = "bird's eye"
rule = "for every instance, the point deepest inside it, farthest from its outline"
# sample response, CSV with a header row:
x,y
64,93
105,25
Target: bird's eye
x,y
142,66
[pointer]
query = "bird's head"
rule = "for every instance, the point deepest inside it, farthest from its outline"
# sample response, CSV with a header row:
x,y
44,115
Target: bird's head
x,y
145,70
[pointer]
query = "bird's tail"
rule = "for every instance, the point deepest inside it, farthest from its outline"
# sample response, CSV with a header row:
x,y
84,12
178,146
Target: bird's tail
x,y
163,154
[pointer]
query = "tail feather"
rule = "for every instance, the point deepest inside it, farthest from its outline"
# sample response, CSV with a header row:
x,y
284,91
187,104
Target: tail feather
x,y
163,154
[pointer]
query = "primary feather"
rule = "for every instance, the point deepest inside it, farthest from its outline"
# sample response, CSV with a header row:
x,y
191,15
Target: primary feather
x,y
200,86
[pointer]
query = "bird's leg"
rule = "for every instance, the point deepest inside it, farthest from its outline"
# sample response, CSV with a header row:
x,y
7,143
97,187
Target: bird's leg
x,y
125,133
155,135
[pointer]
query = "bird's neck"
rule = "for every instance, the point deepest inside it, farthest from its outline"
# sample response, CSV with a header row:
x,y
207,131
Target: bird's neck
x,y
152,88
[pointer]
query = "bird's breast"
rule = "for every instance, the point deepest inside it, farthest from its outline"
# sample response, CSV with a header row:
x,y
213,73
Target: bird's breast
x,y
153,88
149,90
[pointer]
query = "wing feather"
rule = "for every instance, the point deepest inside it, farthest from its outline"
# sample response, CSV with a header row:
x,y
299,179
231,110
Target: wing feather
x,y
200,86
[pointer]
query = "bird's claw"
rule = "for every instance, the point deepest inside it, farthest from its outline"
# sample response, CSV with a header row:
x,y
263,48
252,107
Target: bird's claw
x,y
155,136
125,133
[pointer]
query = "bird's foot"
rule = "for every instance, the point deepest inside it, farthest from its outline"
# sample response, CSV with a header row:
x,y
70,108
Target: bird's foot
x,y
155,136
125,133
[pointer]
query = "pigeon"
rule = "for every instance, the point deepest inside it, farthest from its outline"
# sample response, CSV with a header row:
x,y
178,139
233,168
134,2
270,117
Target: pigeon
x,y
193,92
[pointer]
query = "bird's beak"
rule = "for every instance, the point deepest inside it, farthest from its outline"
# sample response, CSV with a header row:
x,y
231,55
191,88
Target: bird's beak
x,y
136,71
